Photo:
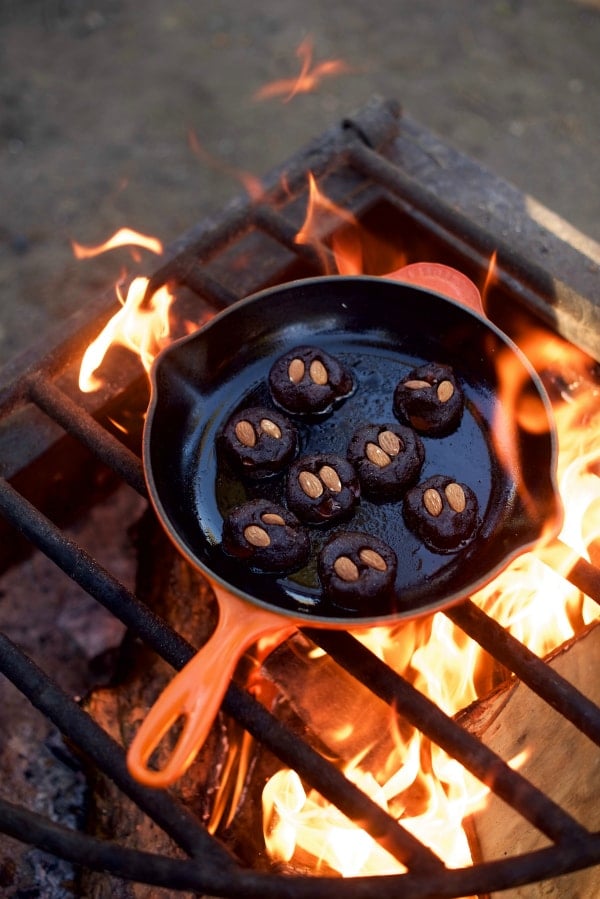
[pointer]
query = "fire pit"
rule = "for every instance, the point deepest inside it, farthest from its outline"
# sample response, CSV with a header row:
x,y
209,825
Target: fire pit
x,y
63,452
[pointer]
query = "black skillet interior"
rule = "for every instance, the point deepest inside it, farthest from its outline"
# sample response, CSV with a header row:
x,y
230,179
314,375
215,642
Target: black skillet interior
x,y
381,329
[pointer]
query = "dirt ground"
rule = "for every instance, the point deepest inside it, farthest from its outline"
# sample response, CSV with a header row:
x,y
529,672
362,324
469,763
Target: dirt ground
x,y
98,99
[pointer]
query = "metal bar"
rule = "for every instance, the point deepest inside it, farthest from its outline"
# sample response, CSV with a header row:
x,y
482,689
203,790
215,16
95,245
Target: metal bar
x,y
90,575
276,226
60,407
553,301
171,873
573,567
212,241
329,782
91,739
196,278
538,675
509,785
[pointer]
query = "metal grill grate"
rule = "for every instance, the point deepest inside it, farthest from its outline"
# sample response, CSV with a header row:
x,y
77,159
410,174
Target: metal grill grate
x,y
361,162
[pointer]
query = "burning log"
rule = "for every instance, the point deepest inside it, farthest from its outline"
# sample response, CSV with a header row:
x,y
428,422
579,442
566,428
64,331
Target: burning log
x,y
348,718
559,759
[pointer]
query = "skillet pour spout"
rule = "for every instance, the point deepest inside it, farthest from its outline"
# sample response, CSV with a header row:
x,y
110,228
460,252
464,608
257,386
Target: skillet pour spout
x,y
381,328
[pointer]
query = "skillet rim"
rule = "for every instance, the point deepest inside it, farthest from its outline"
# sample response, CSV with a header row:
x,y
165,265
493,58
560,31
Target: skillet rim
x,y
549,528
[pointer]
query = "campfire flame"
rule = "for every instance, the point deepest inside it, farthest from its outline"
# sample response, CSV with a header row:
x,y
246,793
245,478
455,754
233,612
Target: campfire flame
x,y
121,238
353,250
141,325
308,80
431,794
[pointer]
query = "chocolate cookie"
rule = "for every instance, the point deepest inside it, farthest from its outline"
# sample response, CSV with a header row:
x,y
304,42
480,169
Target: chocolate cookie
x,y
266,536
307,380
441,512
430,399
259,442
387,458
322,488
355,569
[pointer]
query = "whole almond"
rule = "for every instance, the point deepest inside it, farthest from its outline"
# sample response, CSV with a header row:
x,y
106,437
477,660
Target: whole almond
x,y
269,427
372,559
416,385
456,497
271,518
296,370
390,443
330,478
376,455
445,391
433,502
256,536
346,569
318,372
245,433
310,484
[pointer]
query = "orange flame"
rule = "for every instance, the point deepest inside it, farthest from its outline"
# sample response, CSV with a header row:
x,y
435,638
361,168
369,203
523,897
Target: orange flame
x,y
318,222
354,250
139,326
490,277
309,78
123,237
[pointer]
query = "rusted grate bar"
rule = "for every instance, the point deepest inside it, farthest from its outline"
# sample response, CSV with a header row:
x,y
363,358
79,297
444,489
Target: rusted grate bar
x,y
551,300
146,867
98,746
196,279
69,414
539,676
477,758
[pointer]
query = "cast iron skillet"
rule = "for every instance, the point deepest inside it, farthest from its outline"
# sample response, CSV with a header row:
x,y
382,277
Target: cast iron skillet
x,y
382,329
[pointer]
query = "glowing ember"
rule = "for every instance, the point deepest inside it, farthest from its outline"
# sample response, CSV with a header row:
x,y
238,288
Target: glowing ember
x,y
308,80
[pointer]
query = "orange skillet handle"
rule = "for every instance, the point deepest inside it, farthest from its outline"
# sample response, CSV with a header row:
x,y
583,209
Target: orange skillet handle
x,y
196,692
443,279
